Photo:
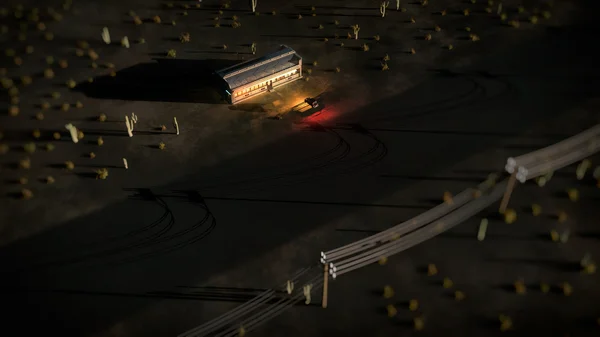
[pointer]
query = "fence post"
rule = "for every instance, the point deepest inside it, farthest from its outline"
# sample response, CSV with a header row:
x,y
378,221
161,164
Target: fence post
x,y
509,189
325,284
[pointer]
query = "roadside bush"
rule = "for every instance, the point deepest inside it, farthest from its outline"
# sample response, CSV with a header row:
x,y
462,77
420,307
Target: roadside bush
x,y
184,37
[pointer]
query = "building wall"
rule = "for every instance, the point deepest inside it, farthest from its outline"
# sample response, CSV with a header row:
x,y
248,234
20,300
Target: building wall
x,y
260,86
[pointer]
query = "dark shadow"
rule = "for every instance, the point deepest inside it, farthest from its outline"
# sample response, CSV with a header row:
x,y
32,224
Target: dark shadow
x,y
364,231
14,195
88,175
563,266
488,323
101,166
589,235
350,8
168,80
294,36
248,107
526,147
309,202
426,178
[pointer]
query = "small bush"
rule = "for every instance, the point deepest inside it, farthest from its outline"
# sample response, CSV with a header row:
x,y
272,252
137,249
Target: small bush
x,y
4,148
459,295
224,47
15,100
217,25
376,37
45,105
315,63
100,141
25,163
536,209
49,36
386,58
137,20
48,73
26,194
92,155
274,13
337,69
412,20
510,216
13,110
566,288
466,12
388,292
391,310
156,19
447,283
80,134
299,16
69,165
71,83
308,71
418,323
488,10
102,117
573,194
162,146
63,64
29,50
520,287
56,135
384,66
413,51
173,23
365,47
427,37
39,116
474,37
36,134
49,180
235,24
50,147
102,173
437,28
467,29
443,12
93,55
544,287
26,80
413,305
78,105
162,128
514,23
172,53
65,107
320,27
55,95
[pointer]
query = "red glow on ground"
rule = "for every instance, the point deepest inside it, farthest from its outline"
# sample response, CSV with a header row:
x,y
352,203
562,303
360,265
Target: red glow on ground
x,y
327,114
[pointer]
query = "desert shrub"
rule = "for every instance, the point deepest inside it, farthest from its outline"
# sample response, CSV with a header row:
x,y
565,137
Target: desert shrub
x,y
413,51
26,194
36,134
536,209
308,71
376,37
466,12
365,47
137,20
437,28
217,25
78,105
49,180
162,146
48,73
65,106
533,19
337,69
224,47
71,83
92,155
299,16
384,66
173,23
413,305
386,58
142,41
112,73
474,37
172,53
236,24
447,283
510,216
102,173
514,23
49,36
25,163
39,116
388,292
26,80
391,310
315,63
13,110
93,55
100,141
274,13
94,65
459,295
156,19
102,117
412,20
320,27
63,63
325,39
29,49
6,82
56,135
427,37
80,134
4,148
520,287
443,12
69,165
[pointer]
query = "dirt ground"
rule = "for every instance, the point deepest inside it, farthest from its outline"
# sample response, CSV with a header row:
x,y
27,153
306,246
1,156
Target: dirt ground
x,y
157,92
456,114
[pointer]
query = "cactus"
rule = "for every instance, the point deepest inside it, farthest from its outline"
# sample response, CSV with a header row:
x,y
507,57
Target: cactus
x,y
125,42
355,31
105,35
382,8
483,225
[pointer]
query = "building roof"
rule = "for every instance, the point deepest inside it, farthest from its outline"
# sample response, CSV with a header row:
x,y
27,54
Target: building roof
x,y
252,70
